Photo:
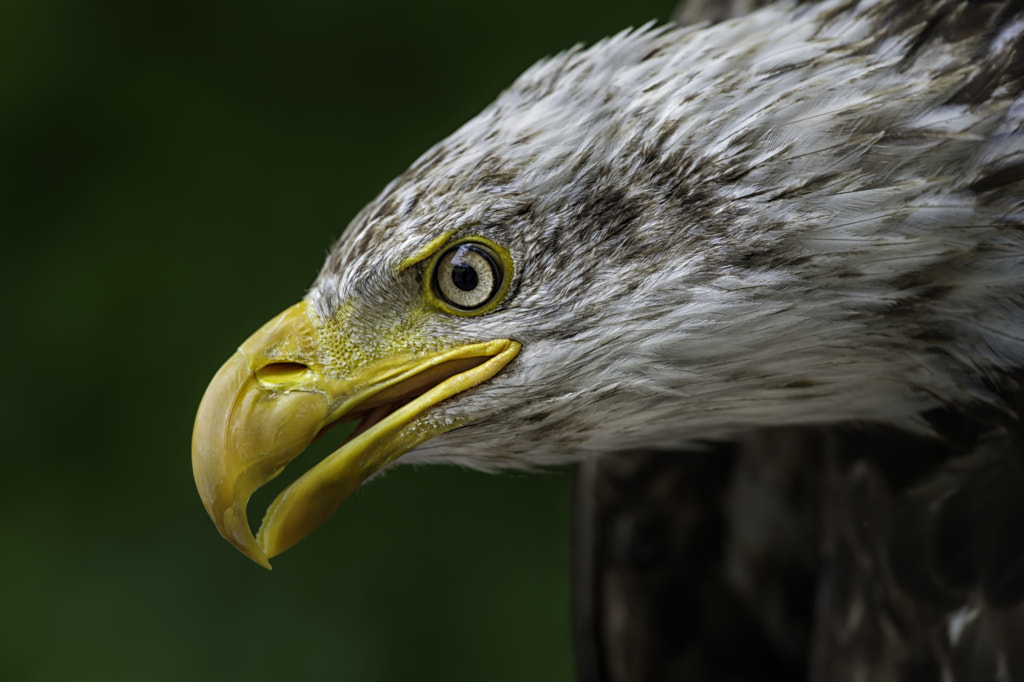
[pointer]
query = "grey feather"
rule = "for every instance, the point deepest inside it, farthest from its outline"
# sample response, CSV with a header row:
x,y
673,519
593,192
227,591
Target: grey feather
x,y
808,218
795,217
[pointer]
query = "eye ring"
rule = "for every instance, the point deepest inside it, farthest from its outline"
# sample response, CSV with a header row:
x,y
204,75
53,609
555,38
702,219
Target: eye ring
x,y
470,277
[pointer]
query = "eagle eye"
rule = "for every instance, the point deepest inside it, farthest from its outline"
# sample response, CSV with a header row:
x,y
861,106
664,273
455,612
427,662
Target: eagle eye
x,y
468,276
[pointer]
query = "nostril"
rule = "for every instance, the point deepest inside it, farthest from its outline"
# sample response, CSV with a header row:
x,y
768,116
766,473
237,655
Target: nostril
x,y
281,372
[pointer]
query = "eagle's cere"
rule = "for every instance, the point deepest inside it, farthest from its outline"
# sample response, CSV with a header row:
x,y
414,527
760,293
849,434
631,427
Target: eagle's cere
x,y
807,215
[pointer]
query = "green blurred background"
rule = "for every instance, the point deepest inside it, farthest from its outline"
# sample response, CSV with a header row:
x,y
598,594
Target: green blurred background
x,y
171,176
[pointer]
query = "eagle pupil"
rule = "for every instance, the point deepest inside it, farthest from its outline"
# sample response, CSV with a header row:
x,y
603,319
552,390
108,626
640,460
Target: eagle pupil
x,y
464,277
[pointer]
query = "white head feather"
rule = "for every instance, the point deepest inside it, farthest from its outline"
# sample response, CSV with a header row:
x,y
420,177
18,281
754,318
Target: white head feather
x,y
809,214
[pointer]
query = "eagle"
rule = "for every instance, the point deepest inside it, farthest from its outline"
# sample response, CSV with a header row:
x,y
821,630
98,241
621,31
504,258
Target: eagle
x,y
761,279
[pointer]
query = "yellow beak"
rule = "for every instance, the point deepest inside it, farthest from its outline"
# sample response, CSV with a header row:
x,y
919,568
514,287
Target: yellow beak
x,y
281,390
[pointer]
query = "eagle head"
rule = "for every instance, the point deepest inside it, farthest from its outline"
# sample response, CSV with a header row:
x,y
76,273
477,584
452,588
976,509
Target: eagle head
x,y
798,216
